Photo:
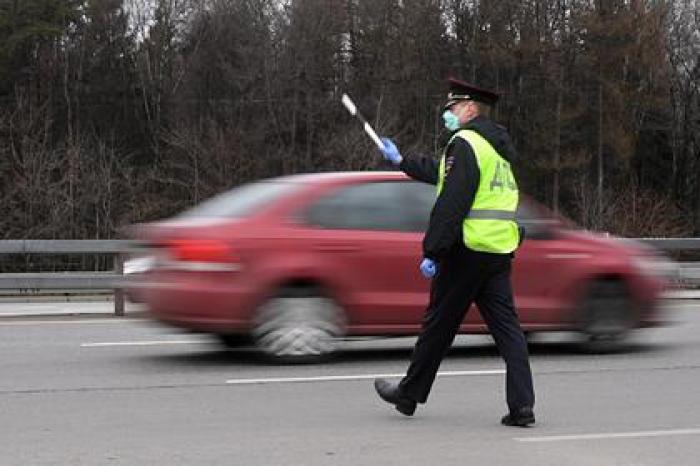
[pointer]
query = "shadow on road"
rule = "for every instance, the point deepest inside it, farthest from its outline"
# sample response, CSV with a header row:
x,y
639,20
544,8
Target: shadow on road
x,y
217,356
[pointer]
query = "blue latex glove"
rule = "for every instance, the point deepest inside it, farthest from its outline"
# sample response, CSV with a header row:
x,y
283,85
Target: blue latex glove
x,y
428,267
391,152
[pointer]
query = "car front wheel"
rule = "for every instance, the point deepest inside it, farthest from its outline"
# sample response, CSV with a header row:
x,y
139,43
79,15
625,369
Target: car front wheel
x,y
607,317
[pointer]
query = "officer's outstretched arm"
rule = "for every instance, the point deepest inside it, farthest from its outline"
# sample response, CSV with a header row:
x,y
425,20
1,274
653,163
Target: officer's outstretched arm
x,y
419,168
423,169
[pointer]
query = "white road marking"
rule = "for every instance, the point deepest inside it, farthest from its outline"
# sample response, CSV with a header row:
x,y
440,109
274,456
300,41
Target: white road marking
x,y
612,435
140,343
337,378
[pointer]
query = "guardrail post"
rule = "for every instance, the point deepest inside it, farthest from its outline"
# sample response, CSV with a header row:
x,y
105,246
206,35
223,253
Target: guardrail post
x,y
119,290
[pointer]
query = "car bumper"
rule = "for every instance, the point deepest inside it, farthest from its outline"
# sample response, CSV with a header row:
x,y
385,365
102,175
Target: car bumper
x,y
199,303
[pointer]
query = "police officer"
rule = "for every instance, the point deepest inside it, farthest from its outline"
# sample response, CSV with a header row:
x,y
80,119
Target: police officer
x,y
467,251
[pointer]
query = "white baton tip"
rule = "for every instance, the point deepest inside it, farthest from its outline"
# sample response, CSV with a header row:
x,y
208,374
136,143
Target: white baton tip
x,y
349,104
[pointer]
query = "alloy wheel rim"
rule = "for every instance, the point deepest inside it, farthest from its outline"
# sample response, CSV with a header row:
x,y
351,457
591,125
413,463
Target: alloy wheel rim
x,y
298,327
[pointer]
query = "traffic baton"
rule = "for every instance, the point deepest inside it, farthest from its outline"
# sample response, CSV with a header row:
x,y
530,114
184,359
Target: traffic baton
x,y
350,105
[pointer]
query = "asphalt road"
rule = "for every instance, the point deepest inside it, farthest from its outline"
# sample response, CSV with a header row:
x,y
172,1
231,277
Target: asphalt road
x,y
103,390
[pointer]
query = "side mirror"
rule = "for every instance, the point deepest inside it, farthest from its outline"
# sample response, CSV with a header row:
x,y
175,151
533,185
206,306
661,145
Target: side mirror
x,y
538,230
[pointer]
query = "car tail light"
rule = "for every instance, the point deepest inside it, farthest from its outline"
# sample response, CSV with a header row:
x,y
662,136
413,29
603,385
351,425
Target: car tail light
x,y
193,255
198,250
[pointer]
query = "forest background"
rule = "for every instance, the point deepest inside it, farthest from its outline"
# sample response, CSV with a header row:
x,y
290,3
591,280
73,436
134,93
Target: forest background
x,y
121,111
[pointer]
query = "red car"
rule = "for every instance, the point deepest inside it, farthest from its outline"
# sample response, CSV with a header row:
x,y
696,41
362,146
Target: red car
x,y
293,263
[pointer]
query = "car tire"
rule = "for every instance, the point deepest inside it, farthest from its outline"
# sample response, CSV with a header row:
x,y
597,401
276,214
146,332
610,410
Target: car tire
x,y
607,317
298,326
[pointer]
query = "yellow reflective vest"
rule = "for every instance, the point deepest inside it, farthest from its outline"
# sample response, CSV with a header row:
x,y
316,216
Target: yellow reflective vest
x,y
490,225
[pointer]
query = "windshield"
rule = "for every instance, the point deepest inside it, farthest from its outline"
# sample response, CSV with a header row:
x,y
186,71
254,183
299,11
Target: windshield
x,y
242,201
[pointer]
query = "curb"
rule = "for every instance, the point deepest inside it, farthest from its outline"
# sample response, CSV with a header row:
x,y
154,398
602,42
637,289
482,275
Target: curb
x,y
134,315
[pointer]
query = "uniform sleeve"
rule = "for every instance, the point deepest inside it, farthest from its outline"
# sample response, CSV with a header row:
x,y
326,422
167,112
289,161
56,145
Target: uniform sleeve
x,y
454,202
423,169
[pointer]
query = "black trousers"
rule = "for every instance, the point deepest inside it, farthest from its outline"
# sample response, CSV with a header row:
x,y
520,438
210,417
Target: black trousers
x,y
465,277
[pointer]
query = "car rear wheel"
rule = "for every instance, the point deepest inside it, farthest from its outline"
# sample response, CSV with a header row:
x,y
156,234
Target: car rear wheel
x,y
298,326
607,317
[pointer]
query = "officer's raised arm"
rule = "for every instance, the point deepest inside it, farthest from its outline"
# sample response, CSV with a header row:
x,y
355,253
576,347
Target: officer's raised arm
x,y
423,169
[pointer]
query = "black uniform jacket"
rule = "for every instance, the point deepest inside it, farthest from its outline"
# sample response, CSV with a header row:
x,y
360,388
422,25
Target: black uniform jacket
x,y
461,182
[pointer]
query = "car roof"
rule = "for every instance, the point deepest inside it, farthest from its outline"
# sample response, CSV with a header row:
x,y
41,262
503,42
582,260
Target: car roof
x,y
333,177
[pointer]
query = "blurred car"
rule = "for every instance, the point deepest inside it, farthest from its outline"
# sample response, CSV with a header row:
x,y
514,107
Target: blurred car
x,y
294,263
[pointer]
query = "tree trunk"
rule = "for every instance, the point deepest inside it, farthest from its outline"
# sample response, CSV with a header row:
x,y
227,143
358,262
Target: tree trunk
x,y
557,143
600,152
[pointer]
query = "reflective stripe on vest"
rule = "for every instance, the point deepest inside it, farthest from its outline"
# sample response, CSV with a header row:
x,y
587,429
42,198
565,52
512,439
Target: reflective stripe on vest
x,y
491,214
490,225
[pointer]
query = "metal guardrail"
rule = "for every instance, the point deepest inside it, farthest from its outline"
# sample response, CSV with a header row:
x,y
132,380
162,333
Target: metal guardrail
x,y
65,246
114,280
33,282
671,244
688,272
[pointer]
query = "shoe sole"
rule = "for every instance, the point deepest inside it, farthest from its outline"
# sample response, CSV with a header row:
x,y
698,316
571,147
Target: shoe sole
x,y
406,410
526,422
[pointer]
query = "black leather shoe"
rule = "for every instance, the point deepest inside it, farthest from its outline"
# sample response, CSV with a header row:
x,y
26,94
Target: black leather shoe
x,y
389,392
524,417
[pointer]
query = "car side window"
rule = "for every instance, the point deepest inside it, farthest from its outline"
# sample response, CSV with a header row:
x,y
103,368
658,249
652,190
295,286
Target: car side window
x,y
390,205
418,200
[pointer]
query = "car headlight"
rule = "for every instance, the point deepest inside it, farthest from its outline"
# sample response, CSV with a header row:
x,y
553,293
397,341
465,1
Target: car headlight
x,y
657,266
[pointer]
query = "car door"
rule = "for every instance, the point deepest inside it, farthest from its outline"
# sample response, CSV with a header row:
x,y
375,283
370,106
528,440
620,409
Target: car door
x,y
536,268
370,236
